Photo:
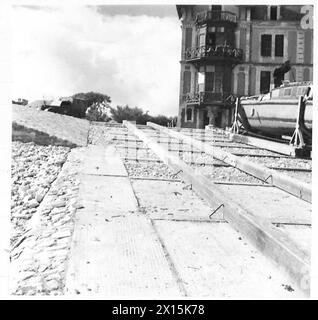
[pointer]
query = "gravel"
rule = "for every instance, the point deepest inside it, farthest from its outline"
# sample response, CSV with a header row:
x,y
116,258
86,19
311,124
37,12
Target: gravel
x,y
99,134
282,162
136,153
104,135
201,158
249,151
225,174
149,170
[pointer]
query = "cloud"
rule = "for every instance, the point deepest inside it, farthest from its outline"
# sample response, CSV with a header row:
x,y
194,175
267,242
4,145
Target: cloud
x,y
61,51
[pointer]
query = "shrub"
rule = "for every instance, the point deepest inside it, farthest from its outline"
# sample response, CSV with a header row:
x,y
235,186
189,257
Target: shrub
x,y
97,112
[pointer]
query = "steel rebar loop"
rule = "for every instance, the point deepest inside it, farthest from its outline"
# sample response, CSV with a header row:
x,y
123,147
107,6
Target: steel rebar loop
x,y
219,207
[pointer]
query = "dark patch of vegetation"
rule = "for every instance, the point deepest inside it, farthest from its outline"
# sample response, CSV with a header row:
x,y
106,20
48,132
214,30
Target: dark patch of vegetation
x,y
137,114
93,97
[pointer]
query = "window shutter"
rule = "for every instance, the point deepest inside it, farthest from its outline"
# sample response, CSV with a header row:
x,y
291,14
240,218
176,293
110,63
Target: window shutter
x,y
279,45
266,45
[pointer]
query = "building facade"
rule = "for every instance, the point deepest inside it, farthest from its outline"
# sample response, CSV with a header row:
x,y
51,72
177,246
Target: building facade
x,y
230,51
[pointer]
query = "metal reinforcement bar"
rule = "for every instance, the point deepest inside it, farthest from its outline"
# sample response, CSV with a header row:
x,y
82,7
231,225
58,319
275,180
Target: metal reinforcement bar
x,y
265,144
271,241
298,188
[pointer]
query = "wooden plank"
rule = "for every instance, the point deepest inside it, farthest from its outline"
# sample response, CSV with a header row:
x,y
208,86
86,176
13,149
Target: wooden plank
x,y
265,144
297,188
274,243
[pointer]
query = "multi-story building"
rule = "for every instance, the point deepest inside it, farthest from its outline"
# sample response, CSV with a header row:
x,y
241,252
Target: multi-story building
x,y
230,51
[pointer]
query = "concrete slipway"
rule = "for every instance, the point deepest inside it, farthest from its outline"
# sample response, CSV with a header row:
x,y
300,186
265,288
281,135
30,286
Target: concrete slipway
x,y
151,239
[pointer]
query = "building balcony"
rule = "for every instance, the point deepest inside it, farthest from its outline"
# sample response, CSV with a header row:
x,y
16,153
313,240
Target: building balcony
x,y
208,97
216,17
214,54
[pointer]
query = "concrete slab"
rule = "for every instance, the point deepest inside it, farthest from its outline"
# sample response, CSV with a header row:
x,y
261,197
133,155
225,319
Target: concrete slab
x,y
214,263
270,203
103,161
115,251
117,259
172,200
106,194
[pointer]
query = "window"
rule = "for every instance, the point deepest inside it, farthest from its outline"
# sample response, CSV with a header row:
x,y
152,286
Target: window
x,y
306,74
209,81
216,12
196,82
202,39
211,40
216,8
258,12
273,13
266,45
186,81
189,114
265,81
279,45
201,81
188,38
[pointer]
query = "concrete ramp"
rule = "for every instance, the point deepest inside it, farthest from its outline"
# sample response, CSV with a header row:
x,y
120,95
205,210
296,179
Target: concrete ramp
x,y
115,251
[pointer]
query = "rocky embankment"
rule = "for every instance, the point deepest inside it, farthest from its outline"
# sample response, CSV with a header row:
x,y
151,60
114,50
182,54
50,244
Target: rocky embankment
x,y
33,169
45,184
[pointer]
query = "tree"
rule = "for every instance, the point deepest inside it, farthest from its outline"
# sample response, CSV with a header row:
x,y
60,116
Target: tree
x,y
93,97
131,114
163,120
137,114
92,105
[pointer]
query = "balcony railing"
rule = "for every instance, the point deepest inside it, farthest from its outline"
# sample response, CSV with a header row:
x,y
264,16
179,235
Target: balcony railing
x,y
213,16
206,97
217,52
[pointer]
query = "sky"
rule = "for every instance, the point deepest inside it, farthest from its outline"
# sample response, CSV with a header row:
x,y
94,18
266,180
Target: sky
x,y
130,53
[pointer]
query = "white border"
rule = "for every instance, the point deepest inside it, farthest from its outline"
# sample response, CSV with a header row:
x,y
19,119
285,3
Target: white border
x,y
5,125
